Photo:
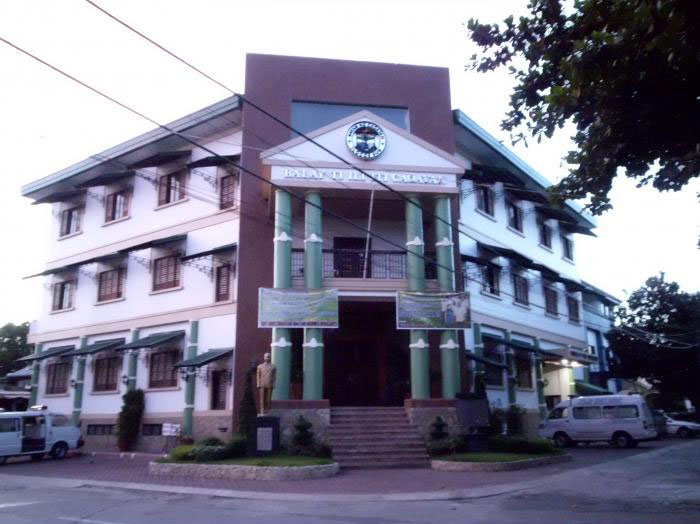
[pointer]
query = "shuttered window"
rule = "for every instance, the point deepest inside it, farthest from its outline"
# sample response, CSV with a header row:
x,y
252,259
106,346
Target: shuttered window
x,y
491,279
515,216
219,387
545,232
166,272
106,373
110,285
484,199
228,191
567,247
57,378
117,205
70,221
550,298
573,307
171,188
63,295
162,372
494,351
521,288
223,282
523,368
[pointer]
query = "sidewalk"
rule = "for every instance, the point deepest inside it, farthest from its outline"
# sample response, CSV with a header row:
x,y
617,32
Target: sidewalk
x,y
360,485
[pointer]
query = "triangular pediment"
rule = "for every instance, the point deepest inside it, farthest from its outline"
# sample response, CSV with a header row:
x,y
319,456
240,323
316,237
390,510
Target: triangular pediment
x,y
402,150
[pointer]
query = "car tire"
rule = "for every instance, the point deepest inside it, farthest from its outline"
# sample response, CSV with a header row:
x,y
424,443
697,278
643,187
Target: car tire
x,y
562,440
622,440
59,451
683,432
36,457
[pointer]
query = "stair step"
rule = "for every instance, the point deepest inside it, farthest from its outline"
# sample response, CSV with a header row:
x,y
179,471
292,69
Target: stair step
x,y
385,465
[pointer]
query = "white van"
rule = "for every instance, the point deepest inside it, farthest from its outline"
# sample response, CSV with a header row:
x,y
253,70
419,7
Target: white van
x,y
622,420
35,433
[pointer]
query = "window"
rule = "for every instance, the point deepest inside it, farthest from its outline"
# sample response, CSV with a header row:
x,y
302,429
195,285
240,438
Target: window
x,y
228,191
520,286
171,188
117,205
545,232
523,368
106,374
550,298
166,272
162,372
100,429
568,247
515,216
70,221
558,413
587,412
493,350
219,386
484,199
572,306
57,378
63,295
592,339
152,430
491,279
9,425
223,282
60,421
620,412
110,284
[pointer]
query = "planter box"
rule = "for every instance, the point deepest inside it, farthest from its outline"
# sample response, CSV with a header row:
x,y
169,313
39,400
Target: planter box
x,y
234,472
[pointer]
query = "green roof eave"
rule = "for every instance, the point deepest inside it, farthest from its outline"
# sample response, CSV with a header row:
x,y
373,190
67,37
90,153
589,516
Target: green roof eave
x,y
205,358
95,347
152,340
53,352
467,123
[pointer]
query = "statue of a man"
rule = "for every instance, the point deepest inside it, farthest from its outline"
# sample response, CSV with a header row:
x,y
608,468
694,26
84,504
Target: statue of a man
x,y
265,382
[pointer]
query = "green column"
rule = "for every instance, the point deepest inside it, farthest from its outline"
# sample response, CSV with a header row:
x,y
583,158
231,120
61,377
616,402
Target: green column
x,y
36,370
190,352
79,381
132,362
415,269
444,250
539,376
510,362
281,346
313,278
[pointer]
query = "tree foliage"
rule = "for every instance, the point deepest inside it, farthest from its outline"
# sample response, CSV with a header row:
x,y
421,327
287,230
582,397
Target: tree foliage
x,y
129,420
658,338
624,72
13,345
247,412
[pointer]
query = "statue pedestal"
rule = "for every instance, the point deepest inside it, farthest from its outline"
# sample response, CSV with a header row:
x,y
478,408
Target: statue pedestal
x,y
264,436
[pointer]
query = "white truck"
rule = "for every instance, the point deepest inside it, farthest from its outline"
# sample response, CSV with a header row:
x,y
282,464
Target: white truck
x,y
36,432
622,420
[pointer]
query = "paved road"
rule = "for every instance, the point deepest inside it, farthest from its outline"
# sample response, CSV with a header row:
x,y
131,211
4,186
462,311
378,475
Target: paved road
x,y
653,486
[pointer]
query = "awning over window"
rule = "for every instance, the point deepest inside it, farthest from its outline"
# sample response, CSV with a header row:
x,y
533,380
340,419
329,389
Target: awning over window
x,y
576,228
504,252
529,195
25,372
61,196
95,347
154,243
53,352
214,251
570,354
517,344
481,261
214,161
152,340
160,159
556,214
61,269
482,174
588,389
476,358
106,179
571,285
547,273
205,358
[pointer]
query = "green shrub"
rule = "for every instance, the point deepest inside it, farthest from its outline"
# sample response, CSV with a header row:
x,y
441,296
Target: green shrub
x,y
514,419
236,447
535,446
304,443
439,447
210,441
182,453
129,421
437,429
247,412
208,453
320,449
496,420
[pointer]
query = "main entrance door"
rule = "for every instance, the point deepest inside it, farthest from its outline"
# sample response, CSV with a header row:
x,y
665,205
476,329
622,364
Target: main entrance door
x,y
366,360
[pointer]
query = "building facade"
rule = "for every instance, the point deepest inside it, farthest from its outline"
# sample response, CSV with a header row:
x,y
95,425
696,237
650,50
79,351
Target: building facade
x,y
162,243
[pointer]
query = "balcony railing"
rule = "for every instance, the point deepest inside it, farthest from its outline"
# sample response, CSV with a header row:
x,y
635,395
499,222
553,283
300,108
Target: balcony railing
x,y
350,263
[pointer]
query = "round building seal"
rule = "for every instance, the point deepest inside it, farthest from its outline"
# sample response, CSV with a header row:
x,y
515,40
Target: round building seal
x,y
366,140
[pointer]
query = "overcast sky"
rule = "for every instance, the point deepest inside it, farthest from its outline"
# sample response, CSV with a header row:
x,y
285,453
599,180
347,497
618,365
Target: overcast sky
x,y
49,122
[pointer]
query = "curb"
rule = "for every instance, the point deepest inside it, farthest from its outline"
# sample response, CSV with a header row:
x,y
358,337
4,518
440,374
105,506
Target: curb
x,y
236,472
514,465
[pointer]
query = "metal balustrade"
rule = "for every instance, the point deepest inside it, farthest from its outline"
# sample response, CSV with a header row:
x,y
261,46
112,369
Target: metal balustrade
x,y
350,263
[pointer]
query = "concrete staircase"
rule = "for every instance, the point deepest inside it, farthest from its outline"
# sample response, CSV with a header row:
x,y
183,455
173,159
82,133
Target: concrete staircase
x,y
376,437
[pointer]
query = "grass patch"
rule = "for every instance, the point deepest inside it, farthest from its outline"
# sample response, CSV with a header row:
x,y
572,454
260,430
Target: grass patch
x,y
488,456
279,461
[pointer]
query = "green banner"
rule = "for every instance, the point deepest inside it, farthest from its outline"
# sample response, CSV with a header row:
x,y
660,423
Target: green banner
x,y
286,308
432,310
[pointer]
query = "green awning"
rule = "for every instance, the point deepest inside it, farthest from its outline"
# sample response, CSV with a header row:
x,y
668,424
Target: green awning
x,y
588,389
204,358
208,252
152,340
517,344
106,178
95,347
53,352
477,358
217,160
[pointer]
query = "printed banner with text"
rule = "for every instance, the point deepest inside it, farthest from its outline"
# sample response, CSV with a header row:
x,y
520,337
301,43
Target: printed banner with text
x,y
286,308
432,310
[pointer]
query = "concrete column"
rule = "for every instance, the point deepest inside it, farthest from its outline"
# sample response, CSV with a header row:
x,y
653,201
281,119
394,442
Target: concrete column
x,y
415,268
539,376
444,249
132,365
510,362
281,346
79,381
313,278
36,370
190,382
